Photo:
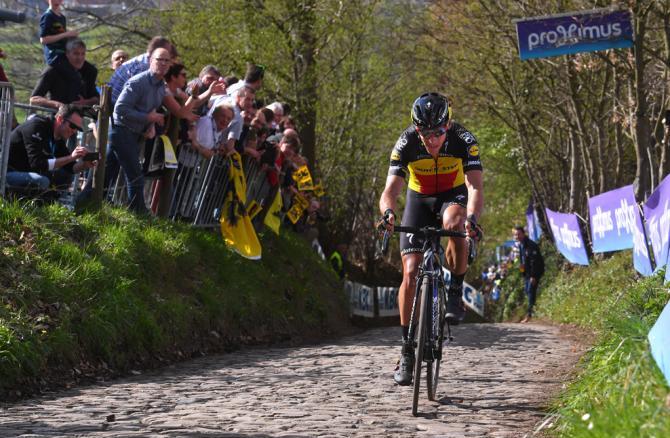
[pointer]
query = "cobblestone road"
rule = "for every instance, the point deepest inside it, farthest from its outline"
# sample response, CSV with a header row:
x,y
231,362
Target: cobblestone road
x,y
494,383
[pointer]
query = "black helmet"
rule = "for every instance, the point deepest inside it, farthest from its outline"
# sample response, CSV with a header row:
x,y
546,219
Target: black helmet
x,y
431,110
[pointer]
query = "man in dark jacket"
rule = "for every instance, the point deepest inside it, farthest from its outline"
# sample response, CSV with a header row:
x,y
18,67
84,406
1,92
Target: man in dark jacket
x,y
38,156
532,267
69,80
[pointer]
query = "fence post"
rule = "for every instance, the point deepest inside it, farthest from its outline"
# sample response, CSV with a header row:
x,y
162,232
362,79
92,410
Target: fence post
x,y
101,147
167,179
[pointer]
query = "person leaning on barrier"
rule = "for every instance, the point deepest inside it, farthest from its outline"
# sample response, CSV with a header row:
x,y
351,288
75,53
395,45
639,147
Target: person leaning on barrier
x,y
242,101
253,79
71,80
38,156
532,267
210,130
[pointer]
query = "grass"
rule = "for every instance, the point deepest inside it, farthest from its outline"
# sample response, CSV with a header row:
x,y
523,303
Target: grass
x,y
115,291
619,392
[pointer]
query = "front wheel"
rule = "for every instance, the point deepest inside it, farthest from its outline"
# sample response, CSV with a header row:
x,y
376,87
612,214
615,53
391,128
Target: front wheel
x,y
422,332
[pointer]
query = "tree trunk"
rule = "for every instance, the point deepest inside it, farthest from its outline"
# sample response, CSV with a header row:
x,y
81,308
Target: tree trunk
x,y
305,76
641,123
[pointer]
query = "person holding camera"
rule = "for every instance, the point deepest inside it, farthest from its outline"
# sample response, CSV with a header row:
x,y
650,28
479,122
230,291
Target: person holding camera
x,y
38,155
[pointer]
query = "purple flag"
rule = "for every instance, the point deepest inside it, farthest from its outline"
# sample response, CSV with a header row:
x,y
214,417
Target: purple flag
x,y
612,219
567,236
533,223
641,259
657,215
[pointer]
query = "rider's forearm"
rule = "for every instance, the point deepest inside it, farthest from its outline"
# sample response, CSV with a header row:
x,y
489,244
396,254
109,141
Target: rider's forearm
x,y
387,200
475,202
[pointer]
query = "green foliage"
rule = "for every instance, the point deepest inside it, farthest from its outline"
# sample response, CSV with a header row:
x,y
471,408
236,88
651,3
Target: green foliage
x,y
620,392
115,289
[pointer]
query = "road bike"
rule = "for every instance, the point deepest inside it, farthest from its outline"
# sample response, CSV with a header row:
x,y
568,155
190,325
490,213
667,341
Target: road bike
x,y
430,303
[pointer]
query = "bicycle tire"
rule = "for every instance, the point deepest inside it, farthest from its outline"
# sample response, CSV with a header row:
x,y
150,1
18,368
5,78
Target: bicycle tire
x,y
433,368
422,331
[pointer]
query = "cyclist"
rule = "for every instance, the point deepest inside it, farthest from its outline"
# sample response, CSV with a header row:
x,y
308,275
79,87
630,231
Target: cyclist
x,y
440,159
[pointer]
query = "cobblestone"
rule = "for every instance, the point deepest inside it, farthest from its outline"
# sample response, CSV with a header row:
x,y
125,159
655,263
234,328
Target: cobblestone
x,y
495,381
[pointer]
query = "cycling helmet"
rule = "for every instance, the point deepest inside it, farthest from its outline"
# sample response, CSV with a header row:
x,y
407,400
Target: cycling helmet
x,y
431,110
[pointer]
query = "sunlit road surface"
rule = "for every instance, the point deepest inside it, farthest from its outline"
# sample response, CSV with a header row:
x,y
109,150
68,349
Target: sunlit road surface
x,y
496,380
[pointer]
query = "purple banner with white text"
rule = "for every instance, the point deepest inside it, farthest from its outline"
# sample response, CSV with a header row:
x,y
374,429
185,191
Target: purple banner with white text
x,y
612,219
567,236
657,215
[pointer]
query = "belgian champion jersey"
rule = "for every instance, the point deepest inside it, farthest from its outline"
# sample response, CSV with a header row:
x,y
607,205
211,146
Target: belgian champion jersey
x,y
426,175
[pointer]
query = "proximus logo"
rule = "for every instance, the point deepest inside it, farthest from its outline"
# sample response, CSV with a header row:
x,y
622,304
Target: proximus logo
x,y
574,34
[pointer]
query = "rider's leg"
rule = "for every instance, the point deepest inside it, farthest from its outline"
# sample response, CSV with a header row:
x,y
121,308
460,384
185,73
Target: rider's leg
x,y
456,256
410,268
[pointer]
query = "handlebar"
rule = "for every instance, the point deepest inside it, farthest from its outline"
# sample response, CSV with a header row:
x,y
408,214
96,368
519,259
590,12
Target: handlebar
x,y
427,232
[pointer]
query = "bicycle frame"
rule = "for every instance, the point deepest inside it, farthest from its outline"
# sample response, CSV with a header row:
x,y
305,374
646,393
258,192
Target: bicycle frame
x,y
430,270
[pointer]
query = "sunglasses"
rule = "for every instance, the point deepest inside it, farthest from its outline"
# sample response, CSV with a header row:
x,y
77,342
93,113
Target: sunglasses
x,y
428,133
120,58
73,125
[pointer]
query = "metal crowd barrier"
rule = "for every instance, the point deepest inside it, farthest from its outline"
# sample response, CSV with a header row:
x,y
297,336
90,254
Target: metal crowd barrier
x,y
201,186
6,116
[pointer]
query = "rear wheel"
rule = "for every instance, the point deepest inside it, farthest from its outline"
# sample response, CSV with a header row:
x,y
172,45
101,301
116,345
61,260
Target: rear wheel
x,y
433,367
422,332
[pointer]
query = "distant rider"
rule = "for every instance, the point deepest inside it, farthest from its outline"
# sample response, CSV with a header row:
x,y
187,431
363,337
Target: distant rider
x,y
440,160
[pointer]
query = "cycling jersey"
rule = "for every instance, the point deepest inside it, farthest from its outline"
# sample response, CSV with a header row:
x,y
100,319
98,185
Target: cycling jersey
x,y
428,176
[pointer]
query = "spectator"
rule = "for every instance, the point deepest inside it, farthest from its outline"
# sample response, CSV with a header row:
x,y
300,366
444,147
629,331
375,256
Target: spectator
x,y
286,122
175,79
252,79
134,115
230,80
532,267
38,156
242,101
278,112
3,77
54,33
207,75
118,58
69,81
210,130
137,65
140,64
337,258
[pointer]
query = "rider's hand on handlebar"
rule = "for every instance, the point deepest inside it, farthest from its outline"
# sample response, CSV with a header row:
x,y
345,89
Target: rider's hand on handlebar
x,y
388,220
473,229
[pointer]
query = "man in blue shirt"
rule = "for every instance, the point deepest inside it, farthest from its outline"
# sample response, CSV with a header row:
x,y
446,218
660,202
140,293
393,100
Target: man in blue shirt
x,y
134,115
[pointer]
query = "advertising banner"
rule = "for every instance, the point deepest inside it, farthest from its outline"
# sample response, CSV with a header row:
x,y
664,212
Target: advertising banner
x,y
612,219
659,339
567,236
641,259
533,223
573,32
387,298
472,298
657,215
361,299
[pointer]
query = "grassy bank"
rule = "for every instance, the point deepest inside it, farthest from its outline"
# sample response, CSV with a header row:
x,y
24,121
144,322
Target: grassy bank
x,y
619,391
112,293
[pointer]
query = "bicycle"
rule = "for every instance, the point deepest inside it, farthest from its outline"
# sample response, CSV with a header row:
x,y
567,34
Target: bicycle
x,y
429,340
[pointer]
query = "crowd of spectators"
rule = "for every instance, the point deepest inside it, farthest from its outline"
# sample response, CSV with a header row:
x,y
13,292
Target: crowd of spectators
x,y
218,114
